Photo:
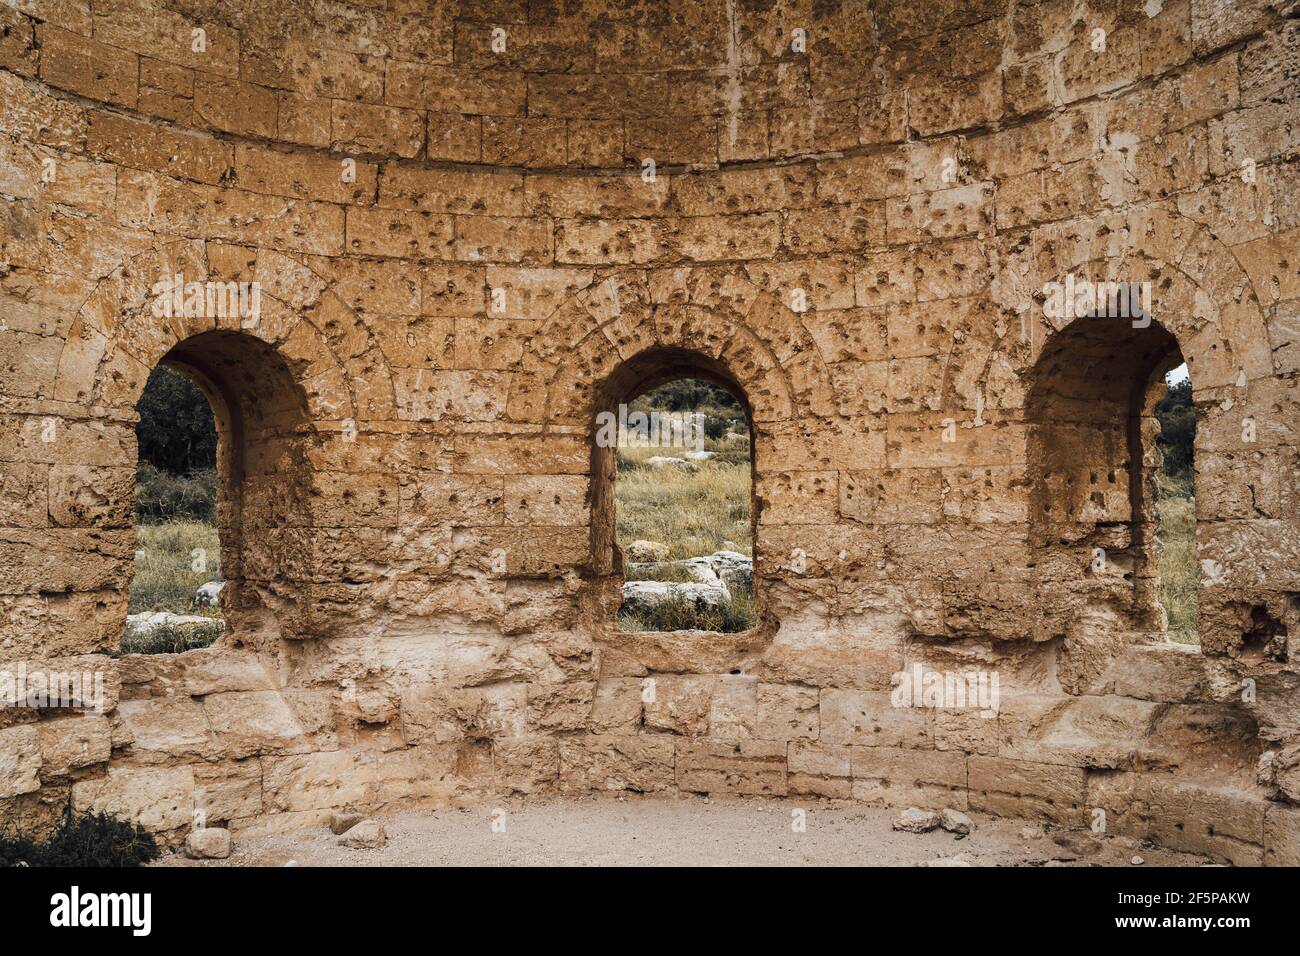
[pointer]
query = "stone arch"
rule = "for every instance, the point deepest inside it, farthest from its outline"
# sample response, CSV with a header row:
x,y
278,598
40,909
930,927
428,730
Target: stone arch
x,y
325,366
1205,311
266,488
115,339
1201,294
725,319
629,378
649,368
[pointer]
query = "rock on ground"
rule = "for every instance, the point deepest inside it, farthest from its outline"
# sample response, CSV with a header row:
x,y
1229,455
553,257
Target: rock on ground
x,y
672,831
209,843
954,821
643,550
366,835
915,820
150,620
650,594
207,594
341,821
714,576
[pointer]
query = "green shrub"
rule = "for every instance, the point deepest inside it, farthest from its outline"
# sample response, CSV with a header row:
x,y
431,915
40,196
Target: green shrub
x,y
1177,438
84,839
678,615
165,496
176,432
715,427
168,639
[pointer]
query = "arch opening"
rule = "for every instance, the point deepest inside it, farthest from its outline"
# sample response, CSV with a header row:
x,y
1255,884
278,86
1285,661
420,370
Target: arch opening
x,y
1110,452
213,540
674,500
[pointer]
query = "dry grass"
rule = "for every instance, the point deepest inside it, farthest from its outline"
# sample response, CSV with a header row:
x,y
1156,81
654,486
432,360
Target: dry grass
x,y
737,616
1179,569
167,639
692,512
165,579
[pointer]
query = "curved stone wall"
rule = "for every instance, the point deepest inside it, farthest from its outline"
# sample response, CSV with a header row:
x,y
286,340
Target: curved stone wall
x,y
850,212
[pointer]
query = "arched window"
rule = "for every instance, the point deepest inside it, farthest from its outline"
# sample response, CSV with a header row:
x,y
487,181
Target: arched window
x,y
1173,489
1112,508
222,489
177,580
674,497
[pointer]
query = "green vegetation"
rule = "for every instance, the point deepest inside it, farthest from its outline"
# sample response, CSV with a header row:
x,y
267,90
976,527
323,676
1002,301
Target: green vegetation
x,y
164,496
178,557
176,511
739,615
169,639
85,839
1177,419
1176,515
693,511
176,432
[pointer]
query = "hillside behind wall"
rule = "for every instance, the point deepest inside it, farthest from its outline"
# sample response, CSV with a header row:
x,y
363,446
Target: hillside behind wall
x,y
465,250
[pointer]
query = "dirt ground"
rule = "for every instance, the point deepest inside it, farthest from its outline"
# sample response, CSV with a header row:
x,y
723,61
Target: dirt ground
x,y
608,831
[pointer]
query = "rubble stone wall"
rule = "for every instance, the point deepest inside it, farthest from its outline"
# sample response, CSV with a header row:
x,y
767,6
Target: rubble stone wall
x,y
474,225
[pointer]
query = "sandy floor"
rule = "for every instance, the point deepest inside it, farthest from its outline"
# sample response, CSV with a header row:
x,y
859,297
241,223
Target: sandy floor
x,y
606,831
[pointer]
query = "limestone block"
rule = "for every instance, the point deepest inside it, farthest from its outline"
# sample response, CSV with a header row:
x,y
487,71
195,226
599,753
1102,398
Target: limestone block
x,y
69,743
755,767
605,762
20,759
870,718
156,798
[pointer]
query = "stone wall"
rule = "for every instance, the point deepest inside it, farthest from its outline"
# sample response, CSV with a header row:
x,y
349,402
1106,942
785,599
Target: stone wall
x,y
848,212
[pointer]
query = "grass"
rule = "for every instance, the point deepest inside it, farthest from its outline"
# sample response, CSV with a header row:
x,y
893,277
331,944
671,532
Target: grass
x,y
692,512
1179,569
163,496
739,615
165,577
165,580
167,639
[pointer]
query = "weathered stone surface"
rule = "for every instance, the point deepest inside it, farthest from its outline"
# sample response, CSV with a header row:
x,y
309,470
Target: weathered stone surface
x,y
366,835
156,798
172,725
317,781
464,255
915,820
20,759
70,743
755,767
208,843
611,762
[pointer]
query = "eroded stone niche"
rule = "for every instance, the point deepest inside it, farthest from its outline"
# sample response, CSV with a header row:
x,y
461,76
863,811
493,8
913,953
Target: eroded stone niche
x,y
459,249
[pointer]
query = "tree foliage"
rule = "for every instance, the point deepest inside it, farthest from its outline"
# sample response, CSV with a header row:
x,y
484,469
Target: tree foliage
x,y
1177,418
691,395
176,432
